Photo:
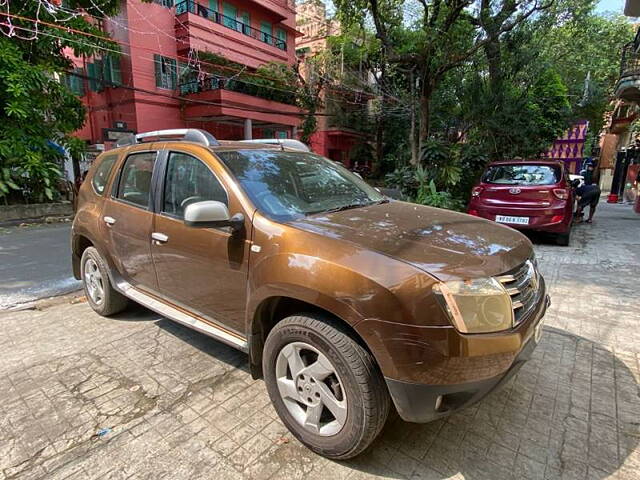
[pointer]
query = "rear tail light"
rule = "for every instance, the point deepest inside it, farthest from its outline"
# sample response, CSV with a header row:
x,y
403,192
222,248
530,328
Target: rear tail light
x,y
561,193
557,218
476,191
473,212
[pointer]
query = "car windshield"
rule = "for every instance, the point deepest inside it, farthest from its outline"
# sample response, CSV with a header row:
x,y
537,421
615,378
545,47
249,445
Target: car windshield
x,y
522,175
291,185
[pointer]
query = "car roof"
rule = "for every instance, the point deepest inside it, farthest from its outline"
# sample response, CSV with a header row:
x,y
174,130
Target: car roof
x,y
224,145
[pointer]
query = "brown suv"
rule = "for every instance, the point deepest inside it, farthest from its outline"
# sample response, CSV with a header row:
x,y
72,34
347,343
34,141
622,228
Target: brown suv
x,y
344,300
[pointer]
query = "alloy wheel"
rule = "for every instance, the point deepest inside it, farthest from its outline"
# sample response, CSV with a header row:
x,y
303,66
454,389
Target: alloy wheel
x,y
93,281
311,389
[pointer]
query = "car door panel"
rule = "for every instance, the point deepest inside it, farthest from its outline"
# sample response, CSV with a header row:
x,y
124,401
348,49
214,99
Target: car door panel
x,y
127,221
201,269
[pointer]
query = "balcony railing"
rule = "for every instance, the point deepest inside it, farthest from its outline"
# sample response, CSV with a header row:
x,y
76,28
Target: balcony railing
x,y
215,82
194,7
630,64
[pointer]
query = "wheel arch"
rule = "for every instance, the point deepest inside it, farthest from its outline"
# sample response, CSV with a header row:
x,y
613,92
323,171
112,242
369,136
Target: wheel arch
x,y
271,310
79,244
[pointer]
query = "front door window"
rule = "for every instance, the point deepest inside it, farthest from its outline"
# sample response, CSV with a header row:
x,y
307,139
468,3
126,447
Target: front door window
x,y
189,181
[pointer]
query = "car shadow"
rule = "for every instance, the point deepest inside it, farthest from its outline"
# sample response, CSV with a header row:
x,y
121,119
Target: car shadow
x,y
571,411
207,345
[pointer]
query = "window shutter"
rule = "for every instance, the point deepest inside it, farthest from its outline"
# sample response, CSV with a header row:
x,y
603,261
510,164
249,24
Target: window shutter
x,y
106,70
173,68
91,73
157,60
99,74
78,86
265,28
282,37
116,75
246,20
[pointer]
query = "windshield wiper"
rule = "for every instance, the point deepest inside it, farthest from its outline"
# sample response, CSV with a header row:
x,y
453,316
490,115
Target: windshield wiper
x,y
349,206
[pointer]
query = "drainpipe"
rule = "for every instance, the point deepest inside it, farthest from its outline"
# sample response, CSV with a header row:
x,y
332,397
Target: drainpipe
x,y
248,127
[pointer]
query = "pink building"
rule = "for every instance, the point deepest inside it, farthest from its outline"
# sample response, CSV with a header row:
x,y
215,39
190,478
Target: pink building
x,y
159,82
570,147
336,136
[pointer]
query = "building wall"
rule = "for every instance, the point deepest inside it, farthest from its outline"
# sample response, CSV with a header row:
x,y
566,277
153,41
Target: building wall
x,y
332,142
145,29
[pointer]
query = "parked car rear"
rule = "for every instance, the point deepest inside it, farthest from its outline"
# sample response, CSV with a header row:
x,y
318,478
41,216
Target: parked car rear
x,y
527,195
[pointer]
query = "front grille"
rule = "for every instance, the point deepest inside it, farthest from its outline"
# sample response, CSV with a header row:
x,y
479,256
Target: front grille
x,y
522,283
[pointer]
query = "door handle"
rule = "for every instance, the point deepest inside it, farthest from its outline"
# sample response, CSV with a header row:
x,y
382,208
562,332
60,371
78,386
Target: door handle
x,y
159,238
109,220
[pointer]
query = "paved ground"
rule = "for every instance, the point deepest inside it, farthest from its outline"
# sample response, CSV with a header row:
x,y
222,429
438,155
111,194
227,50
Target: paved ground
x,y
140,397
35,262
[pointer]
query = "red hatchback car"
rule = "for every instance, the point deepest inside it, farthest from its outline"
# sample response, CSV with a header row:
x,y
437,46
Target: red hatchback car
x,y
527,195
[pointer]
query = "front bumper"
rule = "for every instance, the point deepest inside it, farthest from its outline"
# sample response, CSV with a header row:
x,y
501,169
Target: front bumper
x,y
422,403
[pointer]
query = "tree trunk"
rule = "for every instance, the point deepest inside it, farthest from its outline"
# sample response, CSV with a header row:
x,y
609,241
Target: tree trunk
x,y
380,134
425,115
412,133
493,52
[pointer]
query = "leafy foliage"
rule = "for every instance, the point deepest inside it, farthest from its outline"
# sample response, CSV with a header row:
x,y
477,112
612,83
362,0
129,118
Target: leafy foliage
x,y
417,185
37,111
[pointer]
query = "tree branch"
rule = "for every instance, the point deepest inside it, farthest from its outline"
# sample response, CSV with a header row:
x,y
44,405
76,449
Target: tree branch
x,y
505,27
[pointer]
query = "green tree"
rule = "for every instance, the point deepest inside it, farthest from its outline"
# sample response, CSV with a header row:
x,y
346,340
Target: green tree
x,y
586,54
37,110
440,35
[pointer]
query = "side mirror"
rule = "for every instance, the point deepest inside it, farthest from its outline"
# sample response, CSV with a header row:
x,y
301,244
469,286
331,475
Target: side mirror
x,y
211,214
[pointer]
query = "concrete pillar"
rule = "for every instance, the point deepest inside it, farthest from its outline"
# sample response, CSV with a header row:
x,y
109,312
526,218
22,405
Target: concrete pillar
x,y
294,132
248,129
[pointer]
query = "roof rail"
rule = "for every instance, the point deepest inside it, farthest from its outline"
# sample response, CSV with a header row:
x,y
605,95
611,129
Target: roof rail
x,y
188,135
283,142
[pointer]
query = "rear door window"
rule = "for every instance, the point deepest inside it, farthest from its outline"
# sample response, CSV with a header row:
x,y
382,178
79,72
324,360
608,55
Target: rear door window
x,y
522,175
135,179
101,175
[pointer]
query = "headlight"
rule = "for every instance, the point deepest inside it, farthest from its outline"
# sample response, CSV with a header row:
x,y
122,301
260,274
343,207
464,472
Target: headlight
x,y
476,306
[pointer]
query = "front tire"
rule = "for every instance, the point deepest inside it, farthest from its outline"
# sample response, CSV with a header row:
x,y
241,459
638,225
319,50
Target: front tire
x,y
101,295
325,386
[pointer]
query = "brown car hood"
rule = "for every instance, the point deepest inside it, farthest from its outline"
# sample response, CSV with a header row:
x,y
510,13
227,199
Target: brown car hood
x,y
445,244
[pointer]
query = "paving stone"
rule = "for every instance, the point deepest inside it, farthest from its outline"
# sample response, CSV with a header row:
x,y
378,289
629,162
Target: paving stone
x,y
137,396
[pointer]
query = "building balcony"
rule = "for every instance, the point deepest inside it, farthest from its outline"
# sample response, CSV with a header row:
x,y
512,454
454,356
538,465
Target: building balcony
x,y
282,8
628,86
200,28
232,101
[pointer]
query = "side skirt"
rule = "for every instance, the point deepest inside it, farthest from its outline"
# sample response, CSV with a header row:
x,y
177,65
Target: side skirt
x,y
180,316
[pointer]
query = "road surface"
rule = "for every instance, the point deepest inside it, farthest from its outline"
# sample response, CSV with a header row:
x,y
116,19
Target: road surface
x,y
35,262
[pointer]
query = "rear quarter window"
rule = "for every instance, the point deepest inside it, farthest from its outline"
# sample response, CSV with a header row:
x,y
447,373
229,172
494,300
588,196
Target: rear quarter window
x,y
101,173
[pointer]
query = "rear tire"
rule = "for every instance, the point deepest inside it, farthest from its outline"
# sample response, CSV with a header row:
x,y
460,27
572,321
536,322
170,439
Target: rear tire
x,y
325,386
563,239
101,295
